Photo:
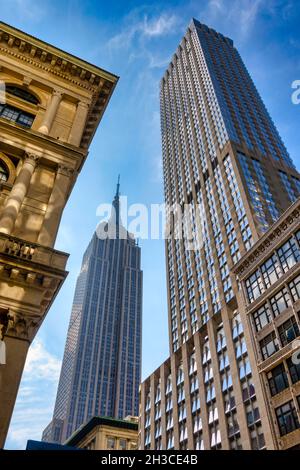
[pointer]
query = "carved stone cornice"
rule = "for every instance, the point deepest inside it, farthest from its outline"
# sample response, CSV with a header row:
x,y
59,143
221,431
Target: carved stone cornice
x,y
35,273
23,326
32,158
50,59
58,93
65,170
23,255
73,70
286,224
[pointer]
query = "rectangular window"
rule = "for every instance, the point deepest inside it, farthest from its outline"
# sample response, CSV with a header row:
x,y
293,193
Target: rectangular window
x,y
294,286
288,254
280,302
287,418
16,115
111,443
253,416
294,369
277,379
288,331
271,270
269,345
262,317
258,442
254,285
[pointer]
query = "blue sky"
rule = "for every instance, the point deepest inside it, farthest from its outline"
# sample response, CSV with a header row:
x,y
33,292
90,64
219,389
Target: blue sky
x,y
136,40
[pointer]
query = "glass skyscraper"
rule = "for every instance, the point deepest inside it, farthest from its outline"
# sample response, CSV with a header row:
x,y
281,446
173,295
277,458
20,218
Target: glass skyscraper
x,y
224,159
101,367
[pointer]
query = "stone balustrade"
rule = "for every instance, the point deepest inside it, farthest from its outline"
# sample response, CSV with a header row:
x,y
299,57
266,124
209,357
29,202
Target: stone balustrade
x,y
34,252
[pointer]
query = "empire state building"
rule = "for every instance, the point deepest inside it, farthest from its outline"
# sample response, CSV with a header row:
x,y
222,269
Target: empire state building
x,y
101,368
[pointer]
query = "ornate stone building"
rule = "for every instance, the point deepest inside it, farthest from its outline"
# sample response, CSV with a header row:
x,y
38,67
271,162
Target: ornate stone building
x,y
269,305
106,434
49,112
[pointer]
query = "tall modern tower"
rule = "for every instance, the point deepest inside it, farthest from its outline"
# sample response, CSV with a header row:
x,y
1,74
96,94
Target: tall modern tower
x,y
224,158
101,367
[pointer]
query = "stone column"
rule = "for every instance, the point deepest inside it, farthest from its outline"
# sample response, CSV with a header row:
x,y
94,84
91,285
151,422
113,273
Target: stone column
x,y
17,194
10,377
55,207
78,123
17,331
50,112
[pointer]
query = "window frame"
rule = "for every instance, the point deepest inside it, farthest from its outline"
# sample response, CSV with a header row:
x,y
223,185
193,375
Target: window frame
x,y
282,330
274,376
263,344
281,417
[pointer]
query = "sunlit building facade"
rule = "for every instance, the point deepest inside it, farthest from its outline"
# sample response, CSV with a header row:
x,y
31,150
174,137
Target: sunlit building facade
x,y
101,367
51,103
224,158
269,302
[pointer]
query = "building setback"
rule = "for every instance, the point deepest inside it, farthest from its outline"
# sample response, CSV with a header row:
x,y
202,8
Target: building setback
x,y
51,103
101,368
223,156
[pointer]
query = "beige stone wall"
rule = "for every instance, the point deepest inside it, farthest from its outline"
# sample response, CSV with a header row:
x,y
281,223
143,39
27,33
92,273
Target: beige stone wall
x,y
97,438
42,162
287,225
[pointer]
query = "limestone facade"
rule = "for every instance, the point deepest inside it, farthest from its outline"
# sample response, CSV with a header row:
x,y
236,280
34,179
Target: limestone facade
x,y
50,106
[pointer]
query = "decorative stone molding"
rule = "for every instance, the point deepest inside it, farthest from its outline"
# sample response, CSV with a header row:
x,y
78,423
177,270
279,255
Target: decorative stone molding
x,y
52,60
31,157
48,59
19,248
58,93
53,67
277,356
27,80
289,221
65,170
22,326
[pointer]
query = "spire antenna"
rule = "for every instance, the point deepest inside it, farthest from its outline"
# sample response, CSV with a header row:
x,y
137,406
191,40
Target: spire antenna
x,y
118,187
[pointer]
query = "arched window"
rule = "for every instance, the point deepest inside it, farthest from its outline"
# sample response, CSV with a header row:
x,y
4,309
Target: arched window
x,y
4,174
13,113
16,115
21,93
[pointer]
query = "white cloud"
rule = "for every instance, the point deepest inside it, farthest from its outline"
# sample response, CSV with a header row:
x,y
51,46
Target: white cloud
x,y
40,364
215,5
158,62
28,424
160,26
242,14
143,28
34,408
248,14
